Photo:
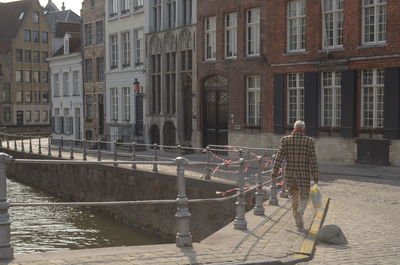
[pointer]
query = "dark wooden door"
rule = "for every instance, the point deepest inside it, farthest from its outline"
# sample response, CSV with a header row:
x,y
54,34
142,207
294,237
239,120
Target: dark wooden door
x,y
20,117
216,117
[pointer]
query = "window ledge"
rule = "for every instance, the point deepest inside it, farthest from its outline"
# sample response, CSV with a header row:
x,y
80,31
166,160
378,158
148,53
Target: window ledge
x,y
333,49
372,45
210,61
295,53
112,18
250,56
126,14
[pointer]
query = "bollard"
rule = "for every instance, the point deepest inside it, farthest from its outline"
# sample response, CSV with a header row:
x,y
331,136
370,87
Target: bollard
x,y
49,146
240,222
15,143
6,251
98,151
8,141
240,153
273,200
183,235
22,143
208,167
60,147
71,153
30,144
84,150
40,146
115,153
1,141
133,154
155,166
259,208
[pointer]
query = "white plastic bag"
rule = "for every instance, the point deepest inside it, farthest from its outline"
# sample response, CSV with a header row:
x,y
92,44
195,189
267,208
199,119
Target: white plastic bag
x,y
316,197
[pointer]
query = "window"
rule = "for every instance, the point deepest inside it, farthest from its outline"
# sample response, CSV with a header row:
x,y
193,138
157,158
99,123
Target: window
x,y
28,116
66,44
27,56
114,51
124,7
230,35
18,76
126,49
114,103
373,98
253,31
170,83
65,84
36,35
89,107
156,15
138,42
333,23
100,69
137,5
57,120
88,71
374,21
35,17
295,98
253,100
19,96
331,99
36,115
296,25
67,122
6,92
27,76
18,55
45,37
113,8
210,38
155,104
56,85
36,57
35,77
36,96
45,96
45,77
27,35
45,115
88,34
127,103
187,12
45,55
92,3
99,32
75,83
28,96
171,13
7,114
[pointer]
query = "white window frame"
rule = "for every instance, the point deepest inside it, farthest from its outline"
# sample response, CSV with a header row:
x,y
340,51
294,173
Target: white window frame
x,y
376,85
210,36
88,34
99,31
126,96
299,91
114,103
65,77
331,81
138,35
57,85
125,7
113,8
253,87
336,12
157,23
253,26
28,116
114,51
126,49
75,83
137,5
376,5
231,35
36,115
299,18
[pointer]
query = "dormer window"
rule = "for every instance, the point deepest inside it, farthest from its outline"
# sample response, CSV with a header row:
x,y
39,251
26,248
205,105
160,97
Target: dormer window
x,y
35,17
66,43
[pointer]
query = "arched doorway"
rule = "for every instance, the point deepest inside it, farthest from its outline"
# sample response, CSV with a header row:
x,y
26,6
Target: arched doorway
x,y
215,112
154,134
169,134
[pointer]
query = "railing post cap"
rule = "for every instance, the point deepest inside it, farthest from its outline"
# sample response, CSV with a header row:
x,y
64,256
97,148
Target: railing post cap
x,y
181,161
4,157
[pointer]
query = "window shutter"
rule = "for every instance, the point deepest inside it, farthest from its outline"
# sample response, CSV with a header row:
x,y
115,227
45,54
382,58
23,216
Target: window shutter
x,y
278,103
348,94
71,125
311,107
391,103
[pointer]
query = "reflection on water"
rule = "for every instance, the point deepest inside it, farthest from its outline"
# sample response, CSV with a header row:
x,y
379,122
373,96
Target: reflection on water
x,y
58,228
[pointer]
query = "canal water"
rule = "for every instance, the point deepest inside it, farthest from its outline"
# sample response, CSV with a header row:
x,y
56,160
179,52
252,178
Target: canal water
x,y
36,229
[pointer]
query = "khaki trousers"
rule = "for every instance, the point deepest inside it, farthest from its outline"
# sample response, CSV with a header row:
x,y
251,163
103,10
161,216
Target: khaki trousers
x,y
298,202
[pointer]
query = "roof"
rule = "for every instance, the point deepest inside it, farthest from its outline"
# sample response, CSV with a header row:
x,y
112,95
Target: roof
x,y
50,7
67,27
61,16
11,18
74,46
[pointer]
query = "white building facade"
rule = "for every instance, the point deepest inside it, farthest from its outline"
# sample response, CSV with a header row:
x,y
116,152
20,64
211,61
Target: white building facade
x,y
67,92
171,72
125,69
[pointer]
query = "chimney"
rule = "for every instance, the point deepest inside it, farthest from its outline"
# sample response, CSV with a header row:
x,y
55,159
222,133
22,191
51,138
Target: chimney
x,y
63,6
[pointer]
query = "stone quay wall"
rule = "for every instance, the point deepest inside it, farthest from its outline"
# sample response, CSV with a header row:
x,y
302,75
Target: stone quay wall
x,y
109,183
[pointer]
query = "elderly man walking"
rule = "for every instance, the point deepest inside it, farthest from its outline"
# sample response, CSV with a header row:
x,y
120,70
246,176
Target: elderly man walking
x,y
298,151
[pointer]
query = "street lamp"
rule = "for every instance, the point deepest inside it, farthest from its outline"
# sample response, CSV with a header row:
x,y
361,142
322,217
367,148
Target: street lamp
x,y
138,129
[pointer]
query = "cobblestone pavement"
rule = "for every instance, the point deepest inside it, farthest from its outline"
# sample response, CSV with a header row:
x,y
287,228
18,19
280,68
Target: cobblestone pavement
x,y
368,211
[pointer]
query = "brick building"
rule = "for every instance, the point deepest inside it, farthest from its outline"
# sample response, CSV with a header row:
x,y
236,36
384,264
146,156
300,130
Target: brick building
x,y
334,64
93,53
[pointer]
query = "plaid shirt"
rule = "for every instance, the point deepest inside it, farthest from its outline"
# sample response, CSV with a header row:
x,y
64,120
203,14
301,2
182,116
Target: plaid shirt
x,y
301,163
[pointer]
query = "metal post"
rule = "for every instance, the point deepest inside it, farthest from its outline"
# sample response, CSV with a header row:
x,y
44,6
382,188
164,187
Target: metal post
x,y
240,222
208,166
84,150
30,144
115,153
98,151
8,141
60,147
15,143
49,146
40,146
22,143
259,208
155,167
71,155
273,200
6,251
240,153
133,154
183,235
1,140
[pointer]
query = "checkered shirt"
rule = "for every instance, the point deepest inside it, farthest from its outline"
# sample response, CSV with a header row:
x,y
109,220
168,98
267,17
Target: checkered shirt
x,y
298,151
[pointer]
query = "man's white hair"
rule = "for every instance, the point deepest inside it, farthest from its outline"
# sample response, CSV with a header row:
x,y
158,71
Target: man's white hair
x,y
299,125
